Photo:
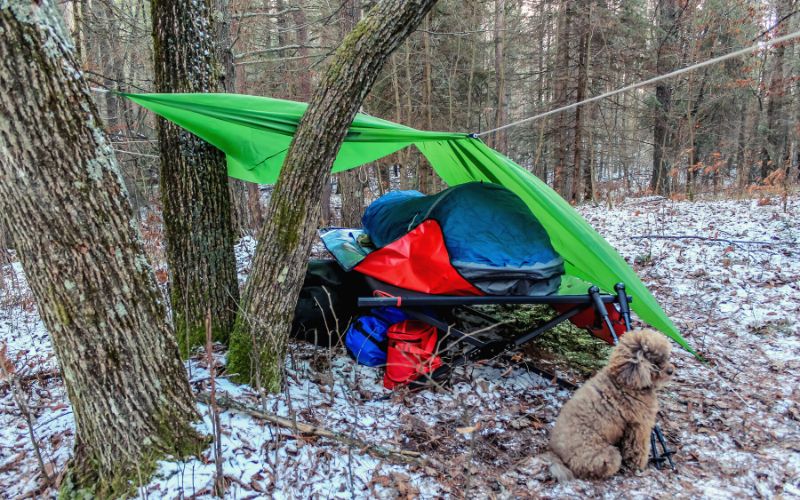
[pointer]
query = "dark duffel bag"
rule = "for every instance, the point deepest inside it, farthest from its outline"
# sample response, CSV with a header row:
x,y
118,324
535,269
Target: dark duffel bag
x,y
327,303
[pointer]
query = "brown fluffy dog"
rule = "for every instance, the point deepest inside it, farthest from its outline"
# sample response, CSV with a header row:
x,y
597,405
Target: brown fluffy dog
x,y
609,419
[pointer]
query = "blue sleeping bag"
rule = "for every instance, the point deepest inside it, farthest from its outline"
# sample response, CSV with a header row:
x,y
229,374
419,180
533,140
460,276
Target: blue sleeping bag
x,y
493,239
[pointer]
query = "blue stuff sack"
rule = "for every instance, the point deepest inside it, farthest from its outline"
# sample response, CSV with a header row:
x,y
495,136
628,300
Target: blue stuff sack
x,y
389,315
366,338
367,341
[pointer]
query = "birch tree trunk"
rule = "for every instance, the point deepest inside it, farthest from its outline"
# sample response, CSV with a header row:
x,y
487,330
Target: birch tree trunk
x,y
194,181
63,201
258,344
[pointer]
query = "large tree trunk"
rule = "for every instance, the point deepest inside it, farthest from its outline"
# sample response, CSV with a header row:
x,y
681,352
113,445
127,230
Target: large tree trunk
x,y
258,345
64,203
194,181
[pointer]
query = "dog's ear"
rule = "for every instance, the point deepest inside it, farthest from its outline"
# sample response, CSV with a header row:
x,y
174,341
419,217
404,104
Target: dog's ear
x,y
629,365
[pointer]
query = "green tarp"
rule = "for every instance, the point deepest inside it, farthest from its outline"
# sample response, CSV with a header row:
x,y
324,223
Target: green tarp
x,y
255,132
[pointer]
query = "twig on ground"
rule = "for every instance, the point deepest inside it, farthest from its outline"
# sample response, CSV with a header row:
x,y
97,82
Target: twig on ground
x,y
703,238
8,372
302,428
219,476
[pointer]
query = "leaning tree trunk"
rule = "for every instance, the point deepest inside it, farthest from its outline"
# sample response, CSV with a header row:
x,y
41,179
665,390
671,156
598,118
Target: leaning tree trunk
x,y
258,344
194,181
63,200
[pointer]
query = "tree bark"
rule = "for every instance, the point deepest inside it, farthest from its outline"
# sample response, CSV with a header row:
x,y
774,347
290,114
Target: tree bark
x,y
77,32
402,156
258,344
693,156
223,44
499,138
561,97
63,200
583,81
425,179
665,62
302,90
775,152
351,189
194,181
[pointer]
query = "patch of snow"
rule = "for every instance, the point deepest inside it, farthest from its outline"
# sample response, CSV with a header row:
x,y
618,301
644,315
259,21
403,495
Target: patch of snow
x,y
735,423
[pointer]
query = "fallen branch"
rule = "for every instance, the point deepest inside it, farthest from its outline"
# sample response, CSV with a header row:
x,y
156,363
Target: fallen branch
x,y
720,240
302,428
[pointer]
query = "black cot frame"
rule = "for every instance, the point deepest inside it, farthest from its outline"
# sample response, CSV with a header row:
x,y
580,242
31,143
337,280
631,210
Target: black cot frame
x,y
415,304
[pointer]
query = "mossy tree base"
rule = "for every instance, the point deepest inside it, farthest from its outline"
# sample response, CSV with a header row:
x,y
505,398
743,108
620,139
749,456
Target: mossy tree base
x,y
258,365
191,336
83,478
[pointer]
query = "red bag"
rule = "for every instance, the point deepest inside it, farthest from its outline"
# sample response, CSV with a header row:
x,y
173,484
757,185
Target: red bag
x,y
591,321
411,352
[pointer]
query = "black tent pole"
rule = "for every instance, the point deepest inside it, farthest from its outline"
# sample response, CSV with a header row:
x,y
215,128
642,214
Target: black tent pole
x,y
600,307
624,305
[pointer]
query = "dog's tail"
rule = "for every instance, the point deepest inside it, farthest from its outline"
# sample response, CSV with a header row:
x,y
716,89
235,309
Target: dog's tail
x,y
558,468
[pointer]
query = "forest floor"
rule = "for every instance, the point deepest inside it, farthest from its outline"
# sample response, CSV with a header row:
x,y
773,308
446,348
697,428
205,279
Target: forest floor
x,y
734,423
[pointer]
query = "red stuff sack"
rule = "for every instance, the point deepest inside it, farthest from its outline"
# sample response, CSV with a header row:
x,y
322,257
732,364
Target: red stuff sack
x,y
411,352
591,321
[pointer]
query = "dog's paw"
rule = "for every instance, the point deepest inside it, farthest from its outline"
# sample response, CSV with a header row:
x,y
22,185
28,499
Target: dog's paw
x,y
632,470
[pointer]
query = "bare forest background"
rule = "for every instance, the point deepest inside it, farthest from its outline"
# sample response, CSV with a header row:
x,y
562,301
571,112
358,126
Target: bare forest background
x,y
724,129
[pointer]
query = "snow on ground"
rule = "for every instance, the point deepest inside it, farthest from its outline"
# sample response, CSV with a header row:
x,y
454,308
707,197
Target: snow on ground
x,y
735,423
